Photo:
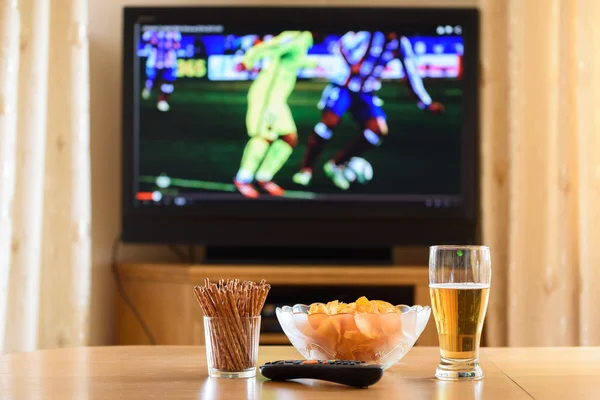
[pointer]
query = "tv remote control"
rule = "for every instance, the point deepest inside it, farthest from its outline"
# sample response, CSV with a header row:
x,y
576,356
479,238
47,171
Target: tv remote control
x,y
345,372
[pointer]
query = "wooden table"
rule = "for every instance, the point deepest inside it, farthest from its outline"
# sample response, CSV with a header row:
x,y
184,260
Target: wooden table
x,y
163,372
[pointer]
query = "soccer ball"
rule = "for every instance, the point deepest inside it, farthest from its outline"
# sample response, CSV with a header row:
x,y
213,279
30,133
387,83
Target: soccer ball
x,y
358,169
163,181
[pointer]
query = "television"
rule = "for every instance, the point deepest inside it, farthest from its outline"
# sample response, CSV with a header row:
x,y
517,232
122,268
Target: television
x,y
300,126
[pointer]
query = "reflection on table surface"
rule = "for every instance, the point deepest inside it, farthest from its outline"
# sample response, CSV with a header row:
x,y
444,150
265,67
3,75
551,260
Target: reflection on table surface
x,y
180,373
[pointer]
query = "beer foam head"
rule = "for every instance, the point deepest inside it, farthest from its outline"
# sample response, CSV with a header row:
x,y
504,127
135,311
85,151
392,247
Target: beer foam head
x,y
460,286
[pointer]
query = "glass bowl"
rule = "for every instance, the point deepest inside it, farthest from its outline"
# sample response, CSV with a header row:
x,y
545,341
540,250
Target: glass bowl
x,y
382,338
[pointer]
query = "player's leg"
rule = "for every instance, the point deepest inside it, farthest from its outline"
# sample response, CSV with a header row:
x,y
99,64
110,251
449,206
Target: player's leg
x,y
149,84
257,124
372,120
166,88
279,152
372,135
255,149
277,155
335,102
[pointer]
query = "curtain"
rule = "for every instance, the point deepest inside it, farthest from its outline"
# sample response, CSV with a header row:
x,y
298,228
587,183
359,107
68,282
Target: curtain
x,y
541,170
44,174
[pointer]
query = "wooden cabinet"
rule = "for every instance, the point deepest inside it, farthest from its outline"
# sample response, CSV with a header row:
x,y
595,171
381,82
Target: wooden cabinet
x,y
162,294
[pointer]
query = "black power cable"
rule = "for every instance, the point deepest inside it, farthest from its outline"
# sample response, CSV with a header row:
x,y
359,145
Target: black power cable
x,y
123,294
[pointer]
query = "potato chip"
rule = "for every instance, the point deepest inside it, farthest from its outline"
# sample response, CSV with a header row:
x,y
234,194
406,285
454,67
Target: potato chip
x,y
332,307
385,307
344,324
318,308
369,325
323,328
347,308
362,301
391,324
363,305
352,335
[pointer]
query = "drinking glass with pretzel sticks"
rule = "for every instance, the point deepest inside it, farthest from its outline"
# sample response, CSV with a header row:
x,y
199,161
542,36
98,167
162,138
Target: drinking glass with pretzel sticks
x,y
232,325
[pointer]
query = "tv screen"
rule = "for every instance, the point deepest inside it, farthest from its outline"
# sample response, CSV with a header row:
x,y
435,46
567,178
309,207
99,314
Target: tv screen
x,y
266,114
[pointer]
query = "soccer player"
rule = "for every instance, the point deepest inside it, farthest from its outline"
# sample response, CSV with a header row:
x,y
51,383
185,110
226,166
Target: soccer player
x,y
161,64
366,55
269,120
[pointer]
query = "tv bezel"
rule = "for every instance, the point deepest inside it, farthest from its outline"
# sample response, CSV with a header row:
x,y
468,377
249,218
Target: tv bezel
x,y
308,222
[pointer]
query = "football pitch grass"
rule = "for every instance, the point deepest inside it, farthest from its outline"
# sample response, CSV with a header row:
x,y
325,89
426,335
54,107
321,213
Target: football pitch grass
x,y
185,185
202,138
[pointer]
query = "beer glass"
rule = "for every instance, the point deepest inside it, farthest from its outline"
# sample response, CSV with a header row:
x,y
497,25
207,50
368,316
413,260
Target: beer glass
x,y
459,286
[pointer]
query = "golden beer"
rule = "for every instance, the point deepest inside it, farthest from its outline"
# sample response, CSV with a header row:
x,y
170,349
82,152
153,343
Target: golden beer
x,y
459,310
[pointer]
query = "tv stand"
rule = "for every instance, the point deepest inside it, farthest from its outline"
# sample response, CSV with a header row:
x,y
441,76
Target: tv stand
x,y
282,256
162,293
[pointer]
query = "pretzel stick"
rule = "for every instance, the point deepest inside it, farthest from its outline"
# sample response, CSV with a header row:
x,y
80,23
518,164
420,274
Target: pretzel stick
x,y
235,326
221,359
236,341
232,341
222,334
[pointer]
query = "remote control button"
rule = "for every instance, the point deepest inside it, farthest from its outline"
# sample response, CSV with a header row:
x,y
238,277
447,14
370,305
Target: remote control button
x,y
310,362
288,362
296,362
